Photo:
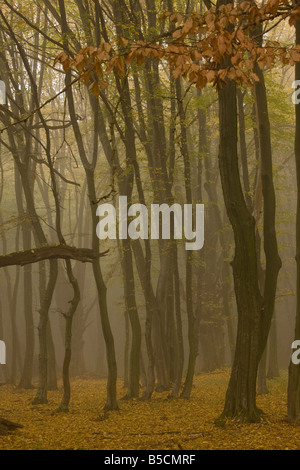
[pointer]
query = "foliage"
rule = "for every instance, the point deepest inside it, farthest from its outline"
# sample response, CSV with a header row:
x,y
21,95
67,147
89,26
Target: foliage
x,y
159,424
198,48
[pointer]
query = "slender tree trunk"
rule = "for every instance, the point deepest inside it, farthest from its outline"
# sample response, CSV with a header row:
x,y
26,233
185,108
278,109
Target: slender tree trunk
x,y
129,294
26,379
126,350
192,333
52,378
273,367
273,261
15,339
3,367
143,267
111,402
41,395
64,405
180,358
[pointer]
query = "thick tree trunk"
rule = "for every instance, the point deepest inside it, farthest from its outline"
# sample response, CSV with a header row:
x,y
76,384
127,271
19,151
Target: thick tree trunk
x,y
294,370
254,312
241,393
262,388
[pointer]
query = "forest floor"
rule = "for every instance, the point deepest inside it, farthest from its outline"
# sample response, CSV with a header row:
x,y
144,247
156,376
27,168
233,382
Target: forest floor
x,y
159,424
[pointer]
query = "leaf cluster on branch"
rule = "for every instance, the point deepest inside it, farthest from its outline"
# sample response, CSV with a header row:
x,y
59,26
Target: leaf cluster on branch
x,y
205,48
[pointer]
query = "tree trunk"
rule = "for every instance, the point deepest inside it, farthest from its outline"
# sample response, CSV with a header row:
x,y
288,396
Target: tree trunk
x,y
180,354
241,394
262,388
111,402
64,405
52,378
41,395
192,330
26,379
294,370
273,367
126,350
143,266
